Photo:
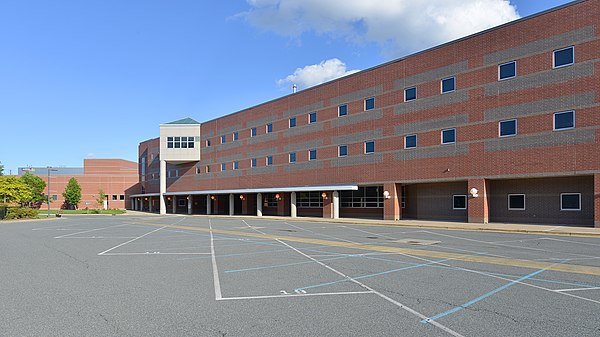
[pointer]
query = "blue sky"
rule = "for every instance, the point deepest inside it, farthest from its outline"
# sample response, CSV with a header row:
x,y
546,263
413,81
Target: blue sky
x,y
92,79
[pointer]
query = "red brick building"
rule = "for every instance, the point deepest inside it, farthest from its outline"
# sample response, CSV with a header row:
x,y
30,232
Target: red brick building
x,y
503,126
116,177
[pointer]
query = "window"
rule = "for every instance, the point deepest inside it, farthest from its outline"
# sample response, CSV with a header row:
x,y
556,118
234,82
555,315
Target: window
x,y
181,202
235,136
197,170
253,162
269,160
410,141
312,117
410,94
223,139
236,165
459,202
448,85
253,132
180,142
269,127
207,169
115,197
364,197
54,197
449,136
293,122
343,150
369,146
564,57
177,142
370,103
312,154
122,197
564,120
570,201
270,200
208,143
507,128
309,199
152,156
292,157
507,70
223,166
342,110
516,202
169,142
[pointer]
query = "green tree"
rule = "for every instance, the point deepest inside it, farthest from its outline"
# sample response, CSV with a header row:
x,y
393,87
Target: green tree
x,y
1,169
101,198
36,185
72,193
13,189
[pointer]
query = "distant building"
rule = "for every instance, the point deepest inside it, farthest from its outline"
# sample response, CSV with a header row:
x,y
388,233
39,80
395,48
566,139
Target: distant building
x,y
499,126
114,176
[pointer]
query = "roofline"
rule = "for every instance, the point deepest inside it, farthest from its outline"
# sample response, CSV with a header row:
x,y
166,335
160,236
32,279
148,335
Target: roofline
x,y
318,188
445,44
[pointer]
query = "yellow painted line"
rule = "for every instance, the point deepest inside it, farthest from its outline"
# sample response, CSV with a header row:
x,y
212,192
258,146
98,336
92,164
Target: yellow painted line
x,y
566,268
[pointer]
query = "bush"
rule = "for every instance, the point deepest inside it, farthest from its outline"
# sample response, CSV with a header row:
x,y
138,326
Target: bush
x,y
14,213
95,211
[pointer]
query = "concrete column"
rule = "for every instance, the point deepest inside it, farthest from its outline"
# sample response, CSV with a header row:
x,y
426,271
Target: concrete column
x,y
163,186
392,206
327,206
208,204
336,204
293,209
597,200
150,204
259,204
190,200
231,204
478,207
174,205
245,205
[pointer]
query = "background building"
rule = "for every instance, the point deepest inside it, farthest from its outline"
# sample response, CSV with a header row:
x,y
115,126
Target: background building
x,y
114,176
499,126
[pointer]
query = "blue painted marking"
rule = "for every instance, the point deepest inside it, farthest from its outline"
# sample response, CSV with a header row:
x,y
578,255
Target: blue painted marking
x,y
284,265
473,301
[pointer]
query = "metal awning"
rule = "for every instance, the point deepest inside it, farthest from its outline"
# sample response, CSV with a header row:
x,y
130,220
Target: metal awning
x,y
319,188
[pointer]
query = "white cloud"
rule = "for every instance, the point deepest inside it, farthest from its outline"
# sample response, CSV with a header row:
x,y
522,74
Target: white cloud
x,y
314,74
398,26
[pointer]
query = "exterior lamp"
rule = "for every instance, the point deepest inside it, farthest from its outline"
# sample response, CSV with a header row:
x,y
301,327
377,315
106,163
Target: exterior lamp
x,y
242,197
324,195
277,197
474,192
386,194
212,197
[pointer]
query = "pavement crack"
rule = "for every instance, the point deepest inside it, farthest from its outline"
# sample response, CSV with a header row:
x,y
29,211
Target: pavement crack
x,y
84,262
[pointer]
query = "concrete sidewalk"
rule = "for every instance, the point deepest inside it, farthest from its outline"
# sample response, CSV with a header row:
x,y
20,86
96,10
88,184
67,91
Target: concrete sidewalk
x,y
495,227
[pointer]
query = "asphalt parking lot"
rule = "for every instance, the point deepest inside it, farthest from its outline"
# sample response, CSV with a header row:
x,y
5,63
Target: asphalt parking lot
x,y
147,275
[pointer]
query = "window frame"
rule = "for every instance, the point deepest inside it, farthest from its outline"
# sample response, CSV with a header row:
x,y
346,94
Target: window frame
x,y
366,146
406,137
292,157
310,117
453,78
454,204
207,143
345,146
559,113
570,209
181,202
253,163
223,167
253,132
345,106
500,78
236,136
269,160
269,127
292,122
372,101
517,195
554,66
236,165
310,154
406,90
505,121
442,136
223,139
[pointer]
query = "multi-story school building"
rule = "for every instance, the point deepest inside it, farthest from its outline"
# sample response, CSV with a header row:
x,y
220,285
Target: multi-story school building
x,y
499,126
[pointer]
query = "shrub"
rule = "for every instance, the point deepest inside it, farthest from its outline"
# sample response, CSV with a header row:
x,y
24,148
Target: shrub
x,y
95,211
14,213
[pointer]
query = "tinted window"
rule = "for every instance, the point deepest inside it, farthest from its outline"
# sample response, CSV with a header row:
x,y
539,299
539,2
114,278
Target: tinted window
x,y
516,201
269,127
448,84
370,103
564,57
448,136
312,117
312,154
507,70
369,147
343,110
253,162
270,160
460,202
410,94
343,150
570,201
253,132
292,157
508,128
564,120
410,142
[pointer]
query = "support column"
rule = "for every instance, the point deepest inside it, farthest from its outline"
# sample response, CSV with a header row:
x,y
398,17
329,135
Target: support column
x,y
208,204
478,207
163,186
259,204
231,204
190,200
293,209
392,205
174,205
327,206
336,204
597,200
245,205
150,204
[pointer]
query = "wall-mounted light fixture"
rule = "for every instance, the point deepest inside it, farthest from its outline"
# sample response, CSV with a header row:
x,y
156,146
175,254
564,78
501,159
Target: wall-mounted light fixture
x,y
242,197
324,195
277,197
474,192
212,197
386,194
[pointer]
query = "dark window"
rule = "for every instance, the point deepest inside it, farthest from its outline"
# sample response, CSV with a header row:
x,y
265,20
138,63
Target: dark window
x,y
309,199
223,166
170,142
364,197
115,197
292,157
312,154
269,160
208,143
293,122
122,197
410,94
312,117
410,142
448,85
516,202
235,136
191,141
459,202
369,146
370,103
223,139
564,57
508,128
269,128
342,110
448,136
181,202
253,132
207,169
507,70
570,202
564,120
236,165
177,142
184,142
253,162
343,150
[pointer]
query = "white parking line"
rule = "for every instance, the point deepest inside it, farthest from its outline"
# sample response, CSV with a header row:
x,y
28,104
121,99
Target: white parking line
x,y
216,281
293,295
126,242
90,230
